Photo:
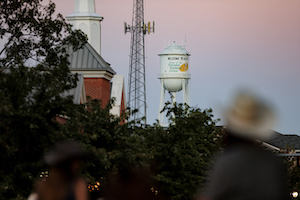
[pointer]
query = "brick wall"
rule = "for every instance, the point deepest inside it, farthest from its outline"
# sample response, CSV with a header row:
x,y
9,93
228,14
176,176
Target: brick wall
x,y
98,88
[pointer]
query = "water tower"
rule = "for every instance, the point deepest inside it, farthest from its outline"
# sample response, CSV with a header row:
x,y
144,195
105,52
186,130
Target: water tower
x,y
174,74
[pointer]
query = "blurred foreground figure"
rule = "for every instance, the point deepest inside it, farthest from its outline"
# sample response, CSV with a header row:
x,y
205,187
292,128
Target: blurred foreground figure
x,y
245,171
131,184
63,183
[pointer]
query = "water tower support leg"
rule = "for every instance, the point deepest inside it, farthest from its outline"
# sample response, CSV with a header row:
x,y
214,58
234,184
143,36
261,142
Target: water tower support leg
x,y
161,103
187,90
173,102
174,97
184,90
187,93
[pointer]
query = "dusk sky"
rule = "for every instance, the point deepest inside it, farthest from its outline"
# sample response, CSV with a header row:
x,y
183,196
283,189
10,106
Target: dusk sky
x,y
233,44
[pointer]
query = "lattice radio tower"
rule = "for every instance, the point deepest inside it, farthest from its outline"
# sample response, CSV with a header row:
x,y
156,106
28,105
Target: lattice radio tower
x,y
136,76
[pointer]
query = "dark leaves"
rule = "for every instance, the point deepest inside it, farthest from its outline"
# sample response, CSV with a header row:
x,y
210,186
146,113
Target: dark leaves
x,y
32,32
34,74
183,151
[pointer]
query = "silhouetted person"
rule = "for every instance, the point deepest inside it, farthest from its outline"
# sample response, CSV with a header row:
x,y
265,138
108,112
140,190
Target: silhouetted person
x,y
245,171
130,184
64,183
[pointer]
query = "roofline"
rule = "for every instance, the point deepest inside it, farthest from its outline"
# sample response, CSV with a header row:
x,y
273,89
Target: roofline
x,y
99,59
108,68
270,146
95,74
84,16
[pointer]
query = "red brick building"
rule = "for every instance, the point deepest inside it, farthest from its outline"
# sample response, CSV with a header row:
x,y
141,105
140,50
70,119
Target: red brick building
x,y
98,76
99,82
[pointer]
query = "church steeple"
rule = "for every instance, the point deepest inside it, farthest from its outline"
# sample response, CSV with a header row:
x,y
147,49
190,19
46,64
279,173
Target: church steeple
x,y
84,6
88,21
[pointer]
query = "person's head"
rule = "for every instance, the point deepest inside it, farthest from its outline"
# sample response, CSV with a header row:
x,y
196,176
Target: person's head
x,y
66,156
64,161
249,117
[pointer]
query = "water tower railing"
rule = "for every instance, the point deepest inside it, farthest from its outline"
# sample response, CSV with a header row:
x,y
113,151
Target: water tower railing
x,y
175,76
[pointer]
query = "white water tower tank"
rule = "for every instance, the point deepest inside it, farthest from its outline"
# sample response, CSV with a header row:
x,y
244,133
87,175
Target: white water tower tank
x,y
174,74
174,66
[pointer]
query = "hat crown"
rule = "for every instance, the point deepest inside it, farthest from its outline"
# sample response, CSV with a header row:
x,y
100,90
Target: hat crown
x,y
250,116
248,108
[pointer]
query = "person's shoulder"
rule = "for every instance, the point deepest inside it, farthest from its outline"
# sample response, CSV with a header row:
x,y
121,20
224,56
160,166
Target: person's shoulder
x,y
33,196
238,154
248,155
231,154
227,160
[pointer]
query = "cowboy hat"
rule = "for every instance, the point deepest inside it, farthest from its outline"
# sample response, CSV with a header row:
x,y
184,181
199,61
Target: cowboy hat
x,y
250,117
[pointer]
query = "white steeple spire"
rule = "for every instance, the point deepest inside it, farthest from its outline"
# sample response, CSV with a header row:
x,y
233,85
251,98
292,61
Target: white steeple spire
x,y
84,6
85,19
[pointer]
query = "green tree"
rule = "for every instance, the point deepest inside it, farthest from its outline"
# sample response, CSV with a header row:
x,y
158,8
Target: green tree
x,y
178,155
112,146
34,74
183,151
292,174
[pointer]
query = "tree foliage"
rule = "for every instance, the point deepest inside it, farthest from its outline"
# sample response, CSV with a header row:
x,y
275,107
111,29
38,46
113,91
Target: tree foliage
x,y
182,151
112,146
34,35
34,74
293,174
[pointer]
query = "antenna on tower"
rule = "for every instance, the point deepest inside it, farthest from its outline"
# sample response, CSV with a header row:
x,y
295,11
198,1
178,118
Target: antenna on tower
x,y
137,73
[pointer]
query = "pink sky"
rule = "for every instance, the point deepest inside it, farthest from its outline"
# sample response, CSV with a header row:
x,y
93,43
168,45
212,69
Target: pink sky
x,y
233,43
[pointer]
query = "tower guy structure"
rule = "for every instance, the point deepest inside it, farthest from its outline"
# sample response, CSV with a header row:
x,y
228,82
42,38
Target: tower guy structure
x,y
137,73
